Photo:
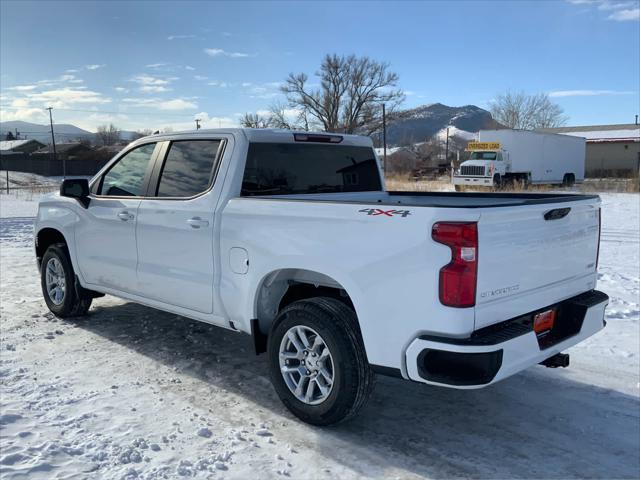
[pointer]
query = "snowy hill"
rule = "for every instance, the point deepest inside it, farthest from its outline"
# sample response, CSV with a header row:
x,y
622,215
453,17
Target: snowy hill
x,y
64,132
421,123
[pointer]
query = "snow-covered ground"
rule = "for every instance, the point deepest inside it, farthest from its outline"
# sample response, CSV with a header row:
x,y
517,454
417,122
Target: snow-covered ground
x,y
131,392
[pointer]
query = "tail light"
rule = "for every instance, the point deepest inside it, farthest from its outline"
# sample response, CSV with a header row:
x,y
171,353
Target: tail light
x,y
599,233
459,277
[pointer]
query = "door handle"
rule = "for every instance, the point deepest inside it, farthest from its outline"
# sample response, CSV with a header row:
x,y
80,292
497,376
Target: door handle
x,y
197,222
125,216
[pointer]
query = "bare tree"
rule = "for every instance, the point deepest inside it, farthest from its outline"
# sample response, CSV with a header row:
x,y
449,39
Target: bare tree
x,y
527,112
254,120
350,95
141,133
108,135
278,117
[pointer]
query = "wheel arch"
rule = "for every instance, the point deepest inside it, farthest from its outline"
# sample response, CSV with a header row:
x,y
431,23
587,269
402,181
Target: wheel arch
x,y
284,286
45,237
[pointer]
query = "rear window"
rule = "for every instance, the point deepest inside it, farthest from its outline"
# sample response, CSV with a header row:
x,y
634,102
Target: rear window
x,y
188,168
289,168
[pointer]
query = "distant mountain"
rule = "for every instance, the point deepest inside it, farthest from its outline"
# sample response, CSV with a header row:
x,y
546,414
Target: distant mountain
x,y
421,123
63,132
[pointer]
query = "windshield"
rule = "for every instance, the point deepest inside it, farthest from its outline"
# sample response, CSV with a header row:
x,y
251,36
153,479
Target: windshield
x,y
483,156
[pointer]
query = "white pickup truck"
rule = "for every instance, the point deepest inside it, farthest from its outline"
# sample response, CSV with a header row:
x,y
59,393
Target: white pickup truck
x,y
292,239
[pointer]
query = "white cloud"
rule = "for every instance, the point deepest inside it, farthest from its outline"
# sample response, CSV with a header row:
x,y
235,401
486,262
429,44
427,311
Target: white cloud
x,y
71,70
23,88
161,104
156,65
121,89
621,11
246,84
179,37
69,78
189,67
206,121
200,77
625,15
267,90
220,84
94,66
176,104
64,97
606,5
154,89
587,93
35,115
149,80
218,52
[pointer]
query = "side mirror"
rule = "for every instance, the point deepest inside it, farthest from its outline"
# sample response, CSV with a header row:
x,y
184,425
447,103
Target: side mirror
x,y
77,188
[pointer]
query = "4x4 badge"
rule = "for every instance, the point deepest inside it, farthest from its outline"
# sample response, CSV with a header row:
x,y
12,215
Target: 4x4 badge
x,y
385,213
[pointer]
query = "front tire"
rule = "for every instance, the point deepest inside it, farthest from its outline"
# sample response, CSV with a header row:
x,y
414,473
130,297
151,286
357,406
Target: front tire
x,y
317,361
57,279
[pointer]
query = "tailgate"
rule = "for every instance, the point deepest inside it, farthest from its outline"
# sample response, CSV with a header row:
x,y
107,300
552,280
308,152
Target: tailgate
x,y
532,256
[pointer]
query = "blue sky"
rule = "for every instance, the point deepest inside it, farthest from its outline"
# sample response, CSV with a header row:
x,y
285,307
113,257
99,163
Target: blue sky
x,y
158,64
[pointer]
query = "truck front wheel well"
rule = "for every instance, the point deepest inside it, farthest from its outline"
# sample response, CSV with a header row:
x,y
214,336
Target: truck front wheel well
x,y
45,238
284,287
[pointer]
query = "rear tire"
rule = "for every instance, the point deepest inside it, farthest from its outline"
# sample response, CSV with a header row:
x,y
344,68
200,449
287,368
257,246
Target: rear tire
x,y
459,188
497,182
346,363
568,180
57,280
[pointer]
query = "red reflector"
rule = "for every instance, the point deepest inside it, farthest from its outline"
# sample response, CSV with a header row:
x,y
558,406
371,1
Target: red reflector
x,y
459,277
544,321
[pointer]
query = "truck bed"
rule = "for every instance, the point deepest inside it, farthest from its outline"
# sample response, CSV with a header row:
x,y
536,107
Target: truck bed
x,y
437,199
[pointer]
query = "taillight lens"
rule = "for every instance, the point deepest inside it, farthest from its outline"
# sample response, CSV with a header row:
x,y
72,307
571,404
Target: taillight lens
x,y
459,277
599,233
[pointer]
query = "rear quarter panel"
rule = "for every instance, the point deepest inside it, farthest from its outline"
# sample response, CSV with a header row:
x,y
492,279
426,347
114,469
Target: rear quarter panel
x,y
388,265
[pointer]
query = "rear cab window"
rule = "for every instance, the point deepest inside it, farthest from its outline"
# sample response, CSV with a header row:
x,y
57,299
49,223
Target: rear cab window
x,y
289,168
189,168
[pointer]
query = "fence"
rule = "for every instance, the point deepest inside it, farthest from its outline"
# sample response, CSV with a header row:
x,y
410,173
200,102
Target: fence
x,y
42,165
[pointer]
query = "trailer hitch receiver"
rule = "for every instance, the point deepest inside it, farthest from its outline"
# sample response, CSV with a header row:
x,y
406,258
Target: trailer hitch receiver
x,y
558,360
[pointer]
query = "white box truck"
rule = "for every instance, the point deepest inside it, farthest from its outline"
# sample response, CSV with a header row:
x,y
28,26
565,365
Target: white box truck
x,y
502,157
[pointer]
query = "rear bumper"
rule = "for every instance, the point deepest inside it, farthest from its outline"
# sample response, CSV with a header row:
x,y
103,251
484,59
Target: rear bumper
x,y
478,181
497,352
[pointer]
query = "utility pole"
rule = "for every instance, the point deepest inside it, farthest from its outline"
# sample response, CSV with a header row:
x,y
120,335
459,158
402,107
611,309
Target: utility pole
x,y
446,148
384,138
198,123
53,140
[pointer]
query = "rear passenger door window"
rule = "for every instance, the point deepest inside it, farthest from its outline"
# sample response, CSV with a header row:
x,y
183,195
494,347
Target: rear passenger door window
x,y
126,178
189,168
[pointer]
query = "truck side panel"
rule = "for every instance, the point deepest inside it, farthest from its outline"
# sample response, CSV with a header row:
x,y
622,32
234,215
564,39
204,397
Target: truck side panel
x,y
388,265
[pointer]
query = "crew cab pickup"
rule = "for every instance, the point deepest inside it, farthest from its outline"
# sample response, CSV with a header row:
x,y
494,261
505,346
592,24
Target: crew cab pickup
x,y
291,238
